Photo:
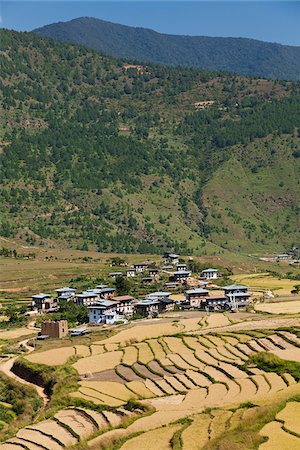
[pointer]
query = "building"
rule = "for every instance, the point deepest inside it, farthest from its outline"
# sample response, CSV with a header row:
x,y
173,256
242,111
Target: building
x,y
166,304
147,307
86,298
115,274
153,272
204,104
237,294
55,329
210,273
147,280
124,304
181,275
216,303
65,293
171,258
283,257
196,298
140,267
43,302
130,273
159,295
180,267
104,312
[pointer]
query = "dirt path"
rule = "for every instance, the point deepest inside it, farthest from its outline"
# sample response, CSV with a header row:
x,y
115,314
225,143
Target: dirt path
x,y
6,368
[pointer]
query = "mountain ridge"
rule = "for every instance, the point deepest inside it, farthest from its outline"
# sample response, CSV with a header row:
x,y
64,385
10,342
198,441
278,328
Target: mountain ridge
x,y
244,56
96,154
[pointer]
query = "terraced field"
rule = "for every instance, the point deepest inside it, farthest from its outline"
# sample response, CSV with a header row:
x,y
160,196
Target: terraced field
x,y
177,370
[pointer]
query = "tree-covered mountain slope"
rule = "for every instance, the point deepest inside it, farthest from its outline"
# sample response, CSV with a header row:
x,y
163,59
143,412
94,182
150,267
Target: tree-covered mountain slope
x,y
239,55
96,154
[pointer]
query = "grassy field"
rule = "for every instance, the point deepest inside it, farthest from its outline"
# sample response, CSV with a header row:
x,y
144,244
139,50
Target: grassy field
x,y
265,281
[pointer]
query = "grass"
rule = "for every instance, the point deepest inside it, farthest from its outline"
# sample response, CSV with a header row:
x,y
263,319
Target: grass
x,y
272,363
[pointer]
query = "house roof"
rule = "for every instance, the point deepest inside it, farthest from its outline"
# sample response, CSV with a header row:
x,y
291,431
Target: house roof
x,y
209,270
197,291
241,294
87,295
41,296
65,289
232,287
102,304
158,294
182,272
140,264
122,298
173,255
148,302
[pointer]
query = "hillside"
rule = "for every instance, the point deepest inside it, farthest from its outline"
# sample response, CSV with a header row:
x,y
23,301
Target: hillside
x,y
239,55
96,154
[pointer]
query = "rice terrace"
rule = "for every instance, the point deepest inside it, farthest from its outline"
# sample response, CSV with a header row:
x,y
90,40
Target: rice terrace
x,y
186,379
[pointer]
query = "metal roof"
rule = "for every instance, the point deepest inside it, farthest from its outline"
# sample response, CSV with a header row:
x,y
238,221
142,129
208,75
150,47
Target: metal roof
x,y
41,296
209,270
232,287
197,291
65,289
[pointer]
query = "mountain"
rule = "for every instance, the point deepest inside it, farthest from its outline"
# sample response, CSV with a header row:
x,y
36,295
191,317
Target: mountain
x,y
97,153
238,55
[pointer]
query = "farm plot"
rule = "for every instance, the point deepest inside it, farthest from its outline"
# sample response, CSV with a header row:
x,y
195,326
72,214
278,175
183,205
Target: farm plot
x,y
292,307
290,416
98,363
52,357
278,438
153,440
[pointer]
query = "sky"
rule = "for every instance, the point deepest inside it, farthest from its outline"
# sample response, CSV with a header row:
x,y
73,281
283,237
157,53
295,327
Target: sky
x,y
272,21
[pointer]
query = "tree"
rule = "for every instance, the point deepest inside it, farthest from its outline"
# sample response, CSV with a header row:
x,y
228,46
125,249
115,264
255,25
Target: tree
x,y
122,285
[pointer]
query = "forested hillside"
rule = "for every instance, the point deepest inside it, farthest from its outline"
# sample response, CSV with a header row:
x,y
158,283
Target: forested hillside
x,y
238,55
95,153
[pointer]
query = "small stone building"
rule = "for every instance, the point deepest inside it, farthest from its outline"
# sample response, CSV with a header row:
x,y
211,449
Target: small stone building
x,y
55,329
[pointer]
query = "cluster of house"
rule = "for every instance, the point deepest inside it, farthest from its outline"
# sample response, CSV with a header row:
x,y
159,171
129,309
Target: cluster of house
x,y
105,307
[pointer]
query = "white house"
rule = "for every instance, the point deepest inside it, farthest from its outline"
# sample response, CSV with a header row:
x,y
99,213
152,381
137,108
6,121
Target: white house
x,y
65,293
103,312
130,273
181,275
210,273
180,267
124,304
171,258
237,294
43,302
140,267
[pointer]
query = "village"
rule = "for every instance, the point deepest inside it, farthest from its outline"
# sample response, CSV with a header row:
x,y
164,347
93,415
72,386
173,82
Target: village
x,y
184,290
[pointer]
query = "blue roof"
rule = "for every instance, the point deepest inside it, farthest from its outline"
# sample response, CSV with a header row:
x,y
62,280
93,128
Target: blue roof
x,y
181,272
197,291
65,289
41,296
209,270
241,294
232,287
102,304
87,295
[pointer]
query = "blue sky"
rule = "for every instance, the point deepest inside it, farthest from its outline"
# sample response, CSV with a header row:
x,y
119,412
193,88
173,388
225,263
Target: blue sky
x,y
273,21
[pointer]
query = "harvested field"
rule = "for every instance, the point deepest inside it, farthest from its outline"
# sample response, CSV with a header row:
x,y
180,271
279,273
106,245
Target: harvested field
x,y
218,423
157,349
110,388
77,421
153,440
128,374
52,357
144,372
292,354
290,416
156,368
51,428
175,383
145,354
154,388
292,307
278,438
36,437
198,378
130,355
98,363
195,436
82,350
97,349
15,334
140,389
97,397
